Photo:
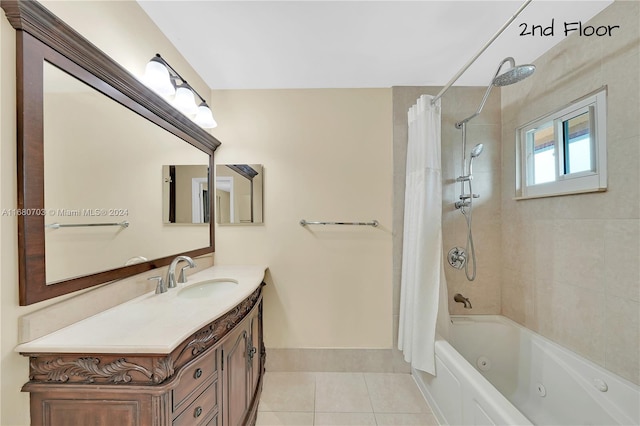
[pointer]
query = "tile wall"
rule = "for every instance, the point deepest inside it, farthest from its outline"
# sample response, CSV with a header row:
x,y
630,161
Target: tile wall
x,y
571,270
457,104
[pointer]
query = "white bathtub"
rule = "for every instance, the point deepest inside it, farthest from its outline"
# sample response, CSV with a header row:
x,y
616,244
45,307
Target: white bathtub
x,y
498,372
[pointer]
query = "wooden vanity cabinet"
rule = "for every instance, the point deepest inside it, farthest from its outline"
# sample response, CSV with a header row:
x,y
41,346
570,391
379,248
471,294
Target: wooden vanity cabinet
x,y
213,378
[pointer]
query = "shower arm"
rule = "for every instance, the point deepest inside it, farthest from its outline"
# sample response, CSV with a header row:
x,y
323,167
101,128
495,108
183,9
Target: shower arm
x,y
512,62
480,52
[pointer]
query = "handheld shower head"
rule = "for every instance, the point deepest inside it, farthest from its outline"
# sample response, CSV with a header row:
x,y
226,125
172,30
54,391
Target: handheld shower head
x,y
475,152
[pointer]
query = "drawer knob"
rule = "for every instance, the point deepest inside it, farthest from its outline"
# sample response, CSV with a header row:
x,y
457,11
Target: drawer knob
x,y
197,374
197,412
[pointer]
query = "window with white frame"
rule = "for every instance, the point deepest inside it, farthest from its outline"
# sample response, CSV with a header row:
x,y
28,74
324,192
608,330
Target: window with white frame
x,y
564,152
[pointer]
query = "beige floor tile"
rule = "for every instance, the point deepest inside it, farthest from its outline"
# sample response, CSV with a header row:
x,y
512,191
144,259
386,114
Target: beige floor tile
x,y
395,393
406,419
268,418
345,419
342,393
288,392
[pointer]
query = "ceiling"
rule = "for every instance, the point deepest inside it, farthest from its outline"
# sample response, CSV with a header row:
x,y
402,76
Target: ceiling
x,y
337,44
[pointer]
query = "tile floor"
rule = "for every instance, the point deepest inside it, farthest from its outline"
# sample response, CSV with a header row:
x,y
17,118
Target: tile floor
x,y
347,399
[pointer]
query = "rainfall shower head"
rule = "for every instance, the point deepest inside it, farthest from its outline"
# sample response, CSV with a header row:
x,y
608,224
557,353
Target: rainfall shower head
x,y
514,75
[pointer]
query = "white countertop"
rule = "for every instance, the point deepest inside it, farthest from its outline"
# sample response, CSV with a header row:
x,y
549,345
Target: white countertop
x,y
152,323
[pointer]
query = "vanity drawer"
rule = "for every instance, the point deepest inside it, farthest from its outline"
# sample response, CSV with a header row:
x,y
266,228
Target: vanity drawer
x,y
201,409
202,371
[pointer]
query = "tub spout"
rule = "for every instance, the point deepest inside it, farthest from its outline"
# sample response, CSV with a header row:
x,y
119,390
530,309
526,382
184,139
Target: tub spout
x,y
461,299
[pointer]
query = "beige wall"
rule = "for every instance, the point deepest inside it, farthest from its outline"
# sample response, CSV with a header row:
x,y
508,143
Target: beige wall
x,y
241,195
101,166
123,31
184,195
571,269
326,156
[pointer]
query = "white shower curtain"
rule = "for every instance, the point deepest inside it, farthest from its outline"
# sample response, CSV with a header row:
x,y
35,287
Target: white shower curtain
x,y
423,296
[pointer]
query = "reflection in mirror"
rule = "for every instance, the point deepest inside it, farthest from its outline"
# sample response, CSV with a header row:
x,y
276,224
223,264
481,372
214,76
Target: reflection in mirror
x,y
185,190
98,173
239,193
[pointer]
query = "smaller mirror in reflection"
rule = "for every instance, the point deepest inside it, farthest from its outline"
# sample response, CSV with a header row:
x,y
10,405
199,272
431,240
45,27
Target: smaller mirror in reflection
x,y
239,198
185,193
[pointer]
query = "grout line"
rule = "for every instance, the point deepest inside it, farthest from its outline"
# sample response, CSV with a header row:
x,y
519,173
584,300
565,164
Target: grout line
x,y
315,393
373,410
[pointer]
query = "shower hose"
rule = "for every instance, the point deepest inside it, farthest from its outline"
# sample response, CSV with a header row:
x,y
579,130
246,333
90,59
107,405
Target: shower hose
x,y
469,247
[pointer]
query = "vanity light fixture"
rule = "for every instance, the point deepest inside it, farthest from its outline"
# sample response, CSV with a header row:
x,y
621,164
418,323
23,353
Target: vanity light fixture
x,y
163,79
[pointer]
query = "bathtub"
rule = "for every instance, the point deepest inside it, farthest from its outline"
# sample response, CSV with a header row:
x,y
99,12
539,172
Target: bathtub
x,y
495,371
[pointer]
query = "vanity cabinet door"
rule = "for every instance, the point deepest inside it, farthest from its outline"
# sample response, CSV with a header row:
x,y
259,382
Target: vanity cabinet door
x,y
241,370
235,376
255,349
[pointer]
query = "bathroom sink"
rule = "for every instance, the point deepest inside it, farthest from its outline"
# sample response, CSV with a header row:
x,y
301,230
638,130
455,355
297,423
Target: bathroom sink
x,y
208,288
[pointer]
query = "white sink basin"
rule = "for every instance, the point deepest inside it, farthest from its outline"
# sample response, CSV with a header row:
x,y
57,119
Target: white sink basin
x,y
208,288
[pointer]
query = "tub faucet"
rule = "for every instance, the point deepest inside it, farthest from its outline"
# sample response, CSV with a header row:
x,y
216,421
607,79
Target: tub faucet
x,y
171,273
461,299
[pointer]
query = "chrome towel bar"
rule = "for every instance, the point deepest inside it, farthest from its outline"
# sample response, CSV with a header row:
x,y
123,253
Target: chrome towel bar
x,y
124,224
373,223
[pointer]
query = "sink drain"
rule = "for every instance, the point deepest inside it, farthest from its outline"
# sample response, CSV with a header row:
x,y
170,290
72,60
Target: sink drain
x,y
542,391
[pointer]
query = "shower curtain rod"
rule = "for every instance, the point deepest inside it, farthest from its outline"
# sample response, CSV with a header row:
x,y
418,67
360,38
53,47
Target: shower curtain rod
x,y
468,64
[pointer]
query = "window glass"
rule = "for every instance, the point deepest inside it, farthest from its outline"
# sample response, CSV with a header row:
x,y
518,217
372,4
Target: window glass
x,y
541,152
564,152
577,137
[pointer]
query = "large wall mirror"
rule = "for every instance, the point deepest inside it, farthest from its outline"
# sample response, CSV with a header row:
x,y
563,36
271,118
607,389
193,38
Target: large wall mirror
x,y
92,143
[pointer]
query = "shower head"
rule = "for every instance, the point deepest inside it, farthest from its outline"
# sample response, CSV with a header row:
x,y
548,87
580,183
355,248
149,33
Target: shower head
x,y
514,75
477,150
511,76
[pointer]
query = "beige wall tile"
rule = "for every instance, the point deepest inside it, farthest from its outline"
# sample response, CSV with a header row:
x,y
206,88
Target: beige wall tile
x,y
573,317
457,104
329,360
621,254
579,252
622,331
518,297
571,251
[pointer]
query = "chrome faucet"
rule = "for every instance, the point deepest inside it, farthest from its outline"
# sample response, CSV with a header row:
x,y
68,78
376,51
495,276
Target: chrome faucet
x,y
171,273
461,299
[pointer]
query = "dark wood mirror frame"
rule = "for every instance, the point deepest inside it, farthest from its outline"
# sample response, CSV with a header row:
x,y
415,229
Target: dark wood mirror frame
x,y
41,36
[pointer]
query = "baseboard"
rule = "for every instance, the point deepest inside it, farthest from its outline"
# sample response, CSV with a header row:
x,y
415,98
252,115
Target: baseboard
x,y
334,360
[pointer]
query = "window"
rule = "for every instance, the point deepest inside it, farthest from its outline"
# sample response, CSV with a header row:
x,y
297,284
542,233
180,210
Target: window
x,y
564,152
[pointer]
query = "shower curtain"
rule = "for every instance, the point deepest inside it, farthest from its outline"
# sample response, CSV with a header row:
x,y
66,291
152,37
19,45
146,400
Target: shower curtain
x,y
423,294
